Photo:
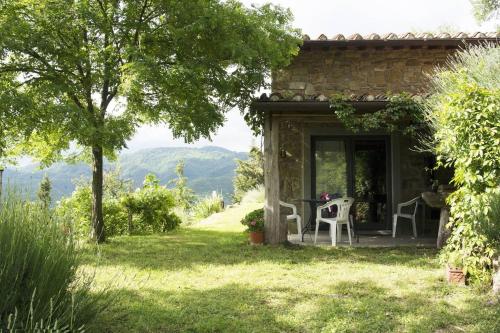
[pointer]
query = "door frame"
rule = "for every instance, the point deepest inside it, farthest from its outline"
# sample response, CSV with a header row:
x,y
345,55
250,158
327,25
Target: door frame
x,y
349,150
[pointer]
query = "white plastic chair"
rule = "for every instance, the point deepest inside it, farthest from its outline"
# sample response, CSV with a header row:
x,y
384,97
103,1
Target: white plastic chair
x,y
294,216
412,216
343,207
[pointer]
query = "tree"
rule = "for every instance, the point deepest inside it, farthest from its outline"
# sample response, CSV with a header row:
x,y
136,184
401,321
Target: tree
x,y
184,195
485,10
89,72
44,191
249,173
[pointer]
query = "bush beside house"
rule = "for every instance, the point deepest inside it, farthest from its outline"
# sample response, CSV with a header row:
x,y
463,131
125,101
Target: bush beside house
x,y
464,114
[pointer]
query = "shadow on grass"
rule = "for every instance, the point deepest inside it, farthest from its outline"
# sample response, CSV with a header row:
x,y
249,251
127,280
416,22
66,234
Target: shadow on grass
x,y
231,308
347,307
366,307
188,247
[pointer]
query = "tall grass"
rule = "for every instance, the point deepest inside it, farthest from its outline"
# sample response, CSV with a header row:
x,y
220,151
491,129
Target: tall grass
x,y
40,288
207,206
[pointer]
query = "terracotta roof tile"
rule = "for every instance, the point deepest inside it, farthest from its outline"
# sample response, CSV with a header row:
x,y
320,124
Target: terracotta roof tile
x,y
356,37
322,37
406,36
461,35
373,36
443,35
391,35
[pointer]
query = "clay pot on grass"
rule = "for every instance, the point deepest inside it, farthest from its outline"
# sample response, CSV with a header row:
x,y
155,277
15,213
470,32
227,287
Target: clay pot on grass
x,y
455,275
256,237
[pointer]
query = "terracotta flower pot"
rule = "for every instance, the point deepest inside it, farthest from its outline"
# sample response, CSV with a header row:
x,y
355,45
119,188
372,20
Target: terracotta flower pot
x,y
455,275
256,237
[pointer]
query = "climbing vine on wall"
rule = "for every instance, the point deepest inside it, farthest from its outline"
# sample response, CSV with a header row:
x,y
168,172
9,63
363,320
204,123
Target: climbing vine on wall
x,y
402,113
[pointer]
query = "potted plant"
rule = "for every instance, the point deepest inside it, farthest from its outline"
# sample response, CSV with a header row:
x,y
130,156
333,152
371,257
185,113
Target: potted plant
x,y
454,269
254,221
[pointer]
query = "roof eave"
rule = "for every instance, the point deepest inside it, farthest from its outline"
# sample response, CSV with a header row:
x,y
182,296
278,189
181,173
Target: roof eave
x,y
455,42
312,106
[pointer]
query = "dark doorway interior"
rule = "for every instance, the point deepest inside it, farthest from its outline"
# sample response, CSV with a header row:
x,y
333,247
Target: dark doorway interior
x,y
358,167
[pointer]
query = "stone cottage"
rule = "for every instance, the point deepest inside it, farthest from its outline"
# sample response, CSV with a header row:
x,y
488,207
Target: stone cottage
x,y
307,149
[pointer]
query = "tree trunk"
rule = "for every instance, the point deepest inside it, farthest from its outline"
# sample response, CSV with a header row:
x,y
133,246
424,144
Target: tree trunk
x,y
1,181
97,184
129,221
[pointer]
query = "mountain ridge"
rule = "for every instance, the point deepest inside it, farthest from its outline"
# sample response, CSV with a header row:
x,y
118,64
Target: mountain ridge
x,y
208,169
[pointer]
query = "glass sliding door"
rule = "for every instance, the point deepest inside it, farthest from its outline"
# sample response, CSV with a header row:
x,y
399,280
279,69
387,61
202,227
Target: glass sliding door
x,y
330,167
358,167
370,183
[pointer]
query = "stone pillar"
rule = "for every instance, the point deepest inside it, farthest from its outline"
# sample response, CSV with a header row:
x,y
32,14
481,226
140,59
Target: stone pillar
x,y
275,230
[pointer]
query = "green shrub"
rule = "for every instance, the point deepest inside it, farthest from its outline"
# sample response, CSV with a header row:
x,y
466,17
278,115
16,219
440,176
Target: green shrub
x,y
464,114
491,226
116,217
152,207
254,221
40,285
78,207
207,206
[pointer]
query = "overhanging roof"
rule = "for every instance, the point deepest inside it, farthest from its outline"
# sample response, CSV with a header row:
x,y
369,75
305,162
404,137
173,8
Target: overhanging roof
x,y
298,102
401,40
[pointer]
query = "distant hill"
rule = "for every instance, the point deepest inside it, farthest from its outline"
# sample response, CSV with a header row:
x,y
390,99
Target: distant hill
x,y
208,169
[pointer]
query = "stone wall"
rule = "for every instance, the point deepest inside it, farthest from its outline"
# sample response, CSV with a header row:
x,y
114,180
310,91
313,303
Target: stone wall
x,y
358,72
369,71
295,144
291,166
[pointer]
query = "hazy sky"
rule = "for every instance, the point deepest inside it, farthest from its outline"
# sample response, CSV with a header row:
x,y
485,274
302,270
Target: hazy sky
x,y
315,17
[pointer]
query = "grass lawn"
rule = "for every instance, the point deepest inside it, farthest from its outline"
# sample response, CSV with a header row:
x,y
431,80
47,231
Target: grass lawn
x,y
205,278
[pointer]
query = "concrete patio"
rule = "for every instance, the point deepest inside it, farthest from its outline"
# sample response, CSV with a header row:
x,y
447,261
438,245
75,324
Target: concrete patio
x,y
381,240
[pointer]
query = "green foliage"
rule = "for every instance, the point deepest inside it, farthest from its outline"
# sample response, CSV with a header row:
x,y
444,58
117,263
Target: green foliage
x,y
152,205
255,120
402,113
208,205
249,174
42,287
44,191
174,62
464,115
485,10
254,221
79,205
491,225
184,196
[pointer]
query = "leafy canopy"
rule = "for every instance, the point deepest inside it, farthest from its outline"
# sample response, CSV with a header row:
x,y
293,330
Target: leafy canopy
x,y
91,71
485,10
